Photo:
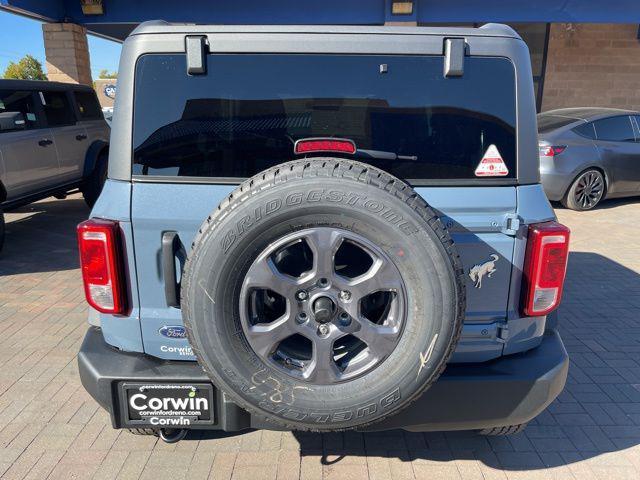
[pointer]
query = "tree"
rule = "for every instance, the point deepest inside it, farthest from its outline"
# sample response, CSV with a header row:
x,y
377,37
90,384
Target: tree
x,y
27,68
106,74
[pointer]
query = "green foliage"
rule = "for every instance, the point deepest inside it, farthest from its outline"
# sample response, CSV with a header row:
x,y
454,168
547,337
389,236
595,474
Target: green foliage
x,y
27,68
106,74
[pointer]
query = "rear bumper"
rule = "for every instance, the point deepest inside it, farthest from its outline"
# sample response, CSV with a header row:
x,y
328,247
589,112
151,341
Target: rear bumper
x,y
507,391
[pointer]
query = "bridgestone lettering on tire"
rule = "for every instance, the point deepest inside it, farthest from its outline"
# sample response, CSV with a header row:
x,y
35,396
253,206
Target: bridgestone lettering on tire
x,y
323,294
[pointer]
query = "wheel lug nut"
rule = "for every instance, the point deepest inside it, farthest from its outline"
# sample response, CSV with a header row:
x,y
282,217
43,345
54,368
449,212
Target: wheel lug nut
x,y
345,295
301,318
345,319
302,295
323,329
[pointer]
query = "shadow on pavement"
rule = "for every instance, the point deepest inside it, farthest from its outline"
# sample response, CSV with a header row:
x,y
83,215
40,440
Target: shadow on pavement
x,y
40,237
598,412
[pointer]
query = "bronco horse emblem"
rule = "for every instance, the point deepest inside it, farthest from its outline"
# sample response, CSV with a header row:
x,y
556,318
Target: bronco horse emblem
x,y
482,269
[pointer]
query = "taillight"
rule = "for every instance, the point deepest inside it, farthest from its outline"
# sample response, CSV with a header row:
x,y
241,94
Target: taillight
x,y
551,150
544,267
100,262
312,145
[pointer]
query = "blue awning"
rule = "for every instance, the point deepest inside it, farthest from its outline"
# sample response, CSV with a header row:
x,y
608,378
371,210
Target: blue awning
x,y
120,16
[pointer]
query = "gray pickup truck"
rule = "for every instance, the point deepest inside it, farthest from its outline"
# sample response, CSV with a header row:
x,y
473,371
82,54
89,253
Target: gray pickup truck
x,y
53,140
323,228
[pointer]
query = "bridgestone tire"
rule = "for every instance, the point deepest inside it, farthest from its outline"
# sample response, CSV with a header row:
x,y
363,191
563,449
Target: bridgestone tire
x,y
348,196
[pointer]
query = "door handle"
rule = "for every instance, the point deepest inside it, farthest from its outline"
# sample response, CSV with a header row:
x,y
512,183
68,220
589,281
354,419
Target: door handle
x,y
170,248
44,142
81,137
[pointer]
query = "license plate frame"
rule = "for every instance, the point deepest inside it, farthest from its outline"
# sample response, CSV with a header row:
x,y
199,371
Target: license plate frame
x,y
141,411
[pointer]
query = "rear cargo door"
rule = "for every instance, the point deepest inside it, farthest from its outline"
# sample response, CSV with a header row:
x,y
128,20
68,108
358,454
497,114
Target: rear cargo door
x,y
453,139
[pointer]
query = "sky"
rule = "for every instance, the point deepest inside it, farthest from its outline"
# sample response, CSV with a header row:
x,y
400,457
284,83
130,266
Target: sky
x,y
20,36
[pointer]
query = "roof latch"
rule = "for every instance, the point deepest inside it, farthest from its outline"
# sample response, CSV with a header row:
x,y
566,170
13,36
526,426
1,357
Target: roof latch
x,y
454,51
196,47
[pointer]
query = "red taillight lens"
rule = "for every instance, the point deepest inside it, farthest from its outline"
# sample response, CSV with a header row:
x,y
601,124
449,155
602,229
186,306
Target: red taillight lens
x,y
551,150
545,267
312,145
98,242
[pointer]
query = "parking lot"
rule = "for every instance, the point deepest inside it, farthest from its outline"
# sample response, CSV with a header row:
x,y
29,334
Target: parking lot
x,y
51,428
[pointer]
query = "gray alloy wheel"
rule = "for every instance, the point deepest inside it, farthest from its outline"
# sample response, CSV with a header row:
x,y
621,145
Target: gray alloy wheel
x,y
318,316
586,191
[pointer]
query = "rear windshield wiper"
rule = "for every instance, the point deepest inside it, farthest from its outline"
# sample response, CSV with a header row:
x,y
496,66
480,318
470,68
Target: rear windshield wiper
x,y
382,155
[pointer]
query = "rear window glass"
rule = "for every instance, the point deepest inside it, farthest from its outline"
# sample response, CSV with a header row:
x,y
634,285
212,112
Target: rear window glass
x,y
88,105
547,123
586,130
245,114
57,109
614,129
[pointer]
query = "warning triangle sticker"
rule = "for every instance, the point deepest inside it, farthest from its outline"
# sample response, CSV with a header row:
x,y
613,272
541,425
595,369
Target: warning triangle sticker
x,y
492,164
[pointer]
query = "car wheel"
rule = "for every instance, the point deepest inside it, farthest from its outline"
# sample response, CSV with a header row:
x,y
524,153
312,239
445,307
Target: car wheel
x,y
93,184
323,294
586,191
1,229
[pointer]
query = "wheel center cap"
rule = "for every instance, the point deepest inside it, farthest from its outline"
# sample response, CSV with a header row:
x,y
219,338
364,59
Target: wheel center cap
x,y
323,309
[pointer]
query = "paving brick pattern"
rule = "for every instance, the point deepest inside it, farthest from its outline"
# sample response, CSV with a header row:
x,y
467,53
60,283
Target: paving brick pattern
x,y
50,428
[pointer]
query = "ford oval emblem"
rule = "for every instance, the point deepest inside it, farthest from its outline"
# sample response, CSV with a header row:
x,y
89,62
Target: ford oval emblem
x,y
175,331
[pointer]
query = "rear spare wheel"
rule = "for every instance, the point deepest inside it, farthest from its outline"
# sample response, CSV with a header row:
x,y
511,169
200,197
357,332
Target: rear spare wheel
x,y
323,294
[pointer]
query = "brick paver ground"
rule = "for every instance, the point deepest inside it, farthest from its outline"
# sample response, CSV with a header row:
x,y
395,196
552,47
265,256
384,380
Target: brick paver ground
x,y
50,428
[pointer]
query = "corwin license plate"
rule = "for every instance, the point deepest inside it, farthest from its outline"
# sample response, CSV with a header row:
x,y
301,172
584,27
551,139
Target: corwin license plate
x,y
168,405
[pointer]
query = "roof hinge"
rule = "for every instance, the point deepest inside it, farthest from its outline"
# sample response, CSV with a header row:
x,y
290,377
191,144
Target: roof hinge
x,y
511,224
454,52
196,47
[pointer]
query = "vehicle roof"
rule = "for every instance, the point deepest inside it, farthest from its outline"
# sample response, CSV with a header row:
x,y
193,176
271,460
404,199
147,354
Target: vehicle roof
x,y
487,30
12,84
587,113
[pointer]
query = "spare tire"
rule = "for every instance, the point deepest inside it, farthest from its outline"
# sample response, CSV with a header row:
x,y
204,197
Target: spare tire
x,y
323,294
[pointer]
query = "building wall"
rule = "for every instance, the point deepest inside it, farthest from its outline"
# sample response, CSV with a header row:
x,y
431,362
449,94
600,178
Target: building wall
x,y
592,65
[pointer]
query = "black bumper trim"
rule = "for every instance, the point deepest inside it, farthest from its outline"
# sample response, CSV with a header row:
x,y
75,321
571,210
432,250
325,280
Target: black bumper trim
x,y
506,391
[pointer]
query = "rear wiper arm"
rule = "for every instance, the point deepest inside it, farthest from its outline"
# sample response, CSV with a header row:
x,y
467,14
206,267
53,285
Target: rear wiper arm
x,y
382,155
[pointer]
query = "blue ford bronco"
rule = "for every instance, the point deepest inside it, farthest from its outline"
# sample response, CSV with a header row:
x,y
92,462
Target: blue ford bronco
x,y
323,228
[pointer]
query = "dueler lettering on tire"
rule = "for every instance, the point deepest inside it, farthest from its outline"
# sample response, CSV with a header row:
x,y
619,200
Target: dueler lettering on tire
x,y
323,294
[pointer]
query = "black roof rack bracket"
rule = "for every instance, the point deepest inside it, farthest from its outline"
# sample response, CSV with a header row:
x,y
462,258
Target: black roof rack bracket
x,y
196,48
454,52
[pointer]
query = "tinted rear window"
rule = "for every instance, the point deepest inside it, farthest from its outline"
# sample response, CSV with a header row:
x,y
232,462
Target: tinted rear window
x,y
547,123
614,129
88,105
245,114
57,109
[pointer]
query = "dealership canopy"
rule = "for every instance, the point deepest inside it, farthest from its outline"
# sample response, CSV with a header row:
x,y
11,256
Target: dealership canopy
x,y
116,18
